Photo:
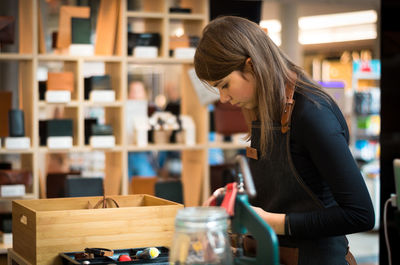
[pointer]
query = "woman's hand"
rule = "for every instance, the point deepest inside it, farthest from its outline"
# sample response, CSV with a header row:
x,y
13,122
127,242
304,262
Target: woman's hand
x,y
213,197
275,220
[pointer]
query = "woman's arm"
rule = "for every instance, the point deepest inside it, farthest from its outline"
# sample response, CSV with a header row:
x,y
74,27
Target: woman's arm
x,y
323,138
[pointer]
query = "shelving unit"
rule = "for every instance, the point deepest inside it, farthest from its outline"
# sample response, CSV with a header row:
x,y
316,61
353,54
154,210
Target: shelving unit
x,y
155,17
364,80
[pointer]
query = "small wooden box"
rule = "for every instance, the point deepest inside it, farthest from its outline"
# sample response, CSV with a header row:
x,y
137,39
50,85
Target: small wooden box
x,y
60,81
43,228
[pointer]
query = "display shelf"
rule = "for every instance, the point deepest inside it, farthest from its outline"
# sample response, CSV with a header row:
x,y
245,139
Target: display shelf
x,y
15,56
154,16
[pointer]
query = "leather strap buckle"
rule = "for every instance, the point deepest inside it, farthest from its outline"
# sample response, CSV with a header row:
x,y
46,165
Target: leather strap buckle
x,y
288,108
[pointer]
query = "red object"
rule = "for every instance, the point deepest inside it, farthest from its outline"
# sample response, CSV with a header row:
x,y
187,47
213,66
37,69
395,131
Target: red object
x,y
124,258
229,200
229,119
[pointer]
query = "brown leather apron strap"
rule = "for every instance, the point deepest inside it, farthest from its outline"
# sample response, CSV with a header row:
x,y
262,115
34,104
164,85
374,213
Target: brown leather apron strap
x,y
288,108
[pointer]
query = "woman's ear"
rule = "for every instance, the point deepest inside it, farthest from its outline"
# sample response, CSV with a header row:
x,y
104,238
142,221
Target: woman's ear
x,y
249,64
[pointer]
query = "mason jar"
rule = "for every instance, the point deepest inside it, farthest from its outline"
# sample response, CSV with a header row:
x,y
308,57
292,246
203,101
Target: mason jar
x,y
201,237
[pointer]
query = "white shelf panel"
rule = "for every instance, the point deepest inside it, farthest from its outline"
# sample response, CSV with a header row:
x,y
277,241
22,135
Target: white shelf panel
x,y
139,14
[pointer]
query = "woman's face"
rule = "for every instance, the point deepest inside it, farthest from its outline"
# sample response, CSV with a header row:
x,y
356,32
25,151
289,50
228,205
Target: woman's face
x,y
237,88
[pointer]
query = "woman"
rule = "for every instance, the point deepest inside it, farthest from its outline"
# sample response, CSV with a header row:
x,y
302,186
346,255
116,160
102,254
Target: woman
x,y
309,188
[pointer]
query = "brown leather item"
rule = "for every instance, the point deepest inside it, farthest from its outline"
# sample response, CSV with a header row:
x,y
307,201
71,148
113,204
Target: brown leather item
x,y
9,177
229,119
350,258
5,106
288,256
288,108
7,25
60,81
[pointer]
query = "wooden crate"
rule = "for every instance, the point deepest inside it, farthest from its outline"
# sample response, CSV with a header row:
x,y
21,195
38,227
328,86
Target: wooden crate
x,y
43,228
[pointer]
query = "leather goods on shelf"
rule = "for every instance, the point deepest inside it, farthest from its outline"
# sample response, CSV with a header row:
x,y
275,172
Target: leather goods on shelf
x,y
97,82
5,106
143,39
14,176
229,119
55,183
80,30
7,29
77,186
64,23
89,122
102,129
16,124
55,127
60,81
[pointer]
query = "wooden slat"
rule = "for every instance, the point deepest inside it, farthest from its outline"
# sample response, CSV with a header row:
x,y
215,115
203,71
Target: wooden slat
x,y
106,27
64,24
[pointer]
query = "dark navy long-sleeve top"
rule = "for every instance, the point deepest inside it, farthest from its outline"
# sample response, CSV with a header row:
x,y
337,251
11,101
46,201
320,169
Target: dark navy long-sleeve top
x,y
319,147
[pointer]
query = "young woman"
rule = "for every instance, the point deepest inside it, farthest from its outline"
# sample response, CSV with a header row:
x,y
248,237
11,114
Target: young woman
x,y
309,188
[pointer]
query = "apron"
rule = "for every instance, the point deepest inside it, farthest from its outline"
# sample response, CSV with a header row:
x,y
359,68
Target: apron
x,y
280,189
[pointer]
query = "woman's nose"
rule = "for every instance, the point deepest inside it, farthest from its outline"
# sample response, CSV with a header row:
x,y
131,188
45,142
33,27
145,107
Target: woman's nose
x,y
223,96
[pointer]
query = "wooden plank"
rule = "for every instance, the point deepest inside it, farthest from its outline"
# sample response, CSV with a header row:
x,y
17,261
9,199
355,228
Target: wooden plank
x,y
106,27
113,179
25,28
42,42
64,24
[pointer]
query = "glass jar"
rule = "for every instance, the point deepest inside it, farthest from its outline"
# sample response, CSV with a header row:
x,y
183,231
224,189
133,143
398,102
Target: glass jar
x,y
201,237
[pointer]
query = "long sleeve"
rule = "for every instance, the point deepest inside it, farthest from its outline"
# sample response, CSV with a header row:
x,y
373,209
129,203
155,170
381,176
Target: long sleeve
x,y
321,155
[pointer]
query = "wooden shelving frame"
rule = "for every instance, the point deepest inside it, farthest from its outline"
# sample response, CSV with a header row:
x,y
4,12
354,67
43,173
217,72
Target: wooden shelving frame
x,y
195,168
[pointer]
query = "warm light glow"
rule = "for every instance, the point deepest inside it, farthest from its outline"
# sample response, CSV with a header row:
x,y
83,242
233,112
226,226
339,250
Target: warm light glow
x,y
338,34
179,32
274,28
338,20
272,25
339,27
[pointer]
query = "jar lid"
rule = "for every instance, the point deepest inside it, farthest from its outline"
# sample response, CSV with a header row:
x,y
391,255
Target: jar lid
x,y
190,216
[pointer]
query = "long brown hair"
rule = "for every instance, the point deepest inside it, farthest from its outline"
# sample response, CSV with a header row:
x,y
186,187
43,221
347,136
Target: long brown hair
x,y
227,42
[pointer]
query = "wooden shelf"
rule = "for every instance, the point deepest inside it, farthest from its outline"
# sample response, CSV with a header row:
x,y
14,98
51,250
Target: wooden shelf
x,y
187,16
15,56
164,147
227,146
154,17
20,151
139,14
158,60
43,104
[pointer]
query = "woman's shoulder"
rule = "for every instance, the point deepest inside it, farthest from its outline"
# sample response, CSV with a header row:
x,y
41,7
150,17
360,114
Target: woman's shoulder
x,y
315,111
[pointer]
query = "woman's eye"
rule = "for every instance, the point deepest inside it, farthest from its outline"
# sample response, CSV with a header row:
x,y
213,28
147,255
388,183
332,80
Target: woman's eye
x,y
225,86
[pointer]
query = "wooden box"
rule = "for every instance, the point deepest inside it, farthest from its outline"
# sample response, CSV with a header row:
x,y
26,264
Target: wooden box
x,y
46,227
60,81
